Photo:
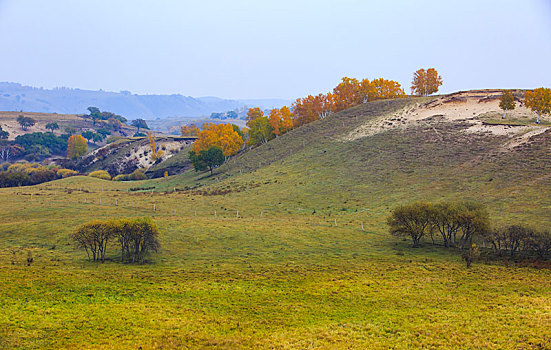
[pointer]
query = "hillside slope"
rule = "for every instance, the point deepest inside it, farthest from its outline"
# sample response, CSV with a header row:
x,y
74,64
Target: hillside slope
x,y
377,155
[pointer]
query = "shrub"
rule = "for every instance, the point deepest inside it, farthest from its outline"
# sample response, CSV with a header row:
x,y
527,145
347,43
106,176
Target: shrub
x,y
137,237
121,177
412,220
137,174
100,174
63,173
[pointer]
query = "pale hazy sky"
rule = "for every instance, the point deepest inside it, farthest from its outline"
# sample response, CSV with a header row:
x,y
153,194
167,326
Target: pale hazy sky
x,y
272,49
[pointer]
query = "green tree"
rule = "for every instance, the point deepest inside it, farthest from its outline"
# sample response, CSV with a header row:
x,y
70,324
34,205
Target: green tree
x,y
94,114
140,123
25,122
88,135
506,102
412,220
52,126
3,134
207,159
260,131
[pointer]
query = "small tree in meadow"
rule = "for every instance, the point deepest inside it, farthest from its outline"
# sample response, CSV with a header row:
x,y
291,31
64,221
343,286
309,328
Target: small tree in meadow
x,y
506,102
413,220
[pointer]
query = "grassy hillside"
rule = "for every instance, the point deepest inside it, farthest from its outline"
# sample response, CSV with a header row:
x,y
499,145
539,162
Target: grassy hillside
x,y
270,252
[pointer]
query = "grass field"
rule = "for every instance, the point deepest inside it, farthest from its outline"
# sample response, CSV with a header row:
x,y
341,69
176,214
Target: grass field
x,y
270,252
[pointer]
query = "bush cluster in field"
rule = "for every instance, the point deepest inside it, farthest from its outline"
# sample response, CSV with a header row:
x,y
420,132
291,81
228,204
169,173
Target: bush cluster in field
x,y
136,238
24,174
458,224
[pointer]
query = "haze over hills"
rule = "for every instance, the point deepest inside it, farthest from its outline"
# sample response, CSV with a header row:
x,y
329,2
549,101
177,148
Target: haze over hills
x,y
17,97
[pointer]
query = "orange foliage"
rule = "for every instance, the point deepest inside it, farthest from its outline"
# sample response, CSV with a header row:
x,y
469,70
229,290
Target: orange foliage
x,y
221,135
347,93
425,82
311,108
254,113
189,130
281,120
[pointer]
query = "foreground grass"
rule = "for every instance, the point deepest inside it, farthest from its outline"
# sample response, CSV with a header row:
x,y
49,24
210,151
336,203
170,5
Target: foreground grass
x,y
288,279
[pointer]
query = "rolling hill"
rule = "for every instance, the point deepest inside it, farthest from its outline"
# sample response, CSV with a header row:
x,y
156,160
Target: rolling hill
x,y
286,245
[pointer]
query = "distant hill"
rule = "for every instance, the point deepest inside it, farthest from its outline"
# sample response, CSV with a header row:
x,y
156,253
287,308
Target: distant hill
x,y
17,97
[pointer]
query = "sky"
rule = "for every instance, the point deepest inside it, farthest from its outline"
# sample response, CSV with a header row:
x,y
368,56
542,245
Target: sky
x,y
272,48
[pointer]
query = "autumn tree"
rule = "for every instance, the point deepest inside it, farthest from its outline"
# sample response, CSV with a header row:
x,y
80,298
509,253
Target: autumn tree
x,y
425,82
254,113
506,102
25,122
156,153
312,108
207,159
76,146
539,101
220,135
189,130
383,88
347,94
280,120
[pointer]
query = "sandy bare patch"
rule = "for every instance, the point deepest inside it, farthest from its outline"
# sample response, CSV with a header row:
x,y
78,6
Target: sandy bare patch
x,y
462,106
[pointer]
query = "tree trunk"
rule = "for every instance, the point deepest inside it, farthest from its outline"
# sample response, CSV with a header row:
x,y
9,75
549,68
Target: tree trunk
x,y
504,114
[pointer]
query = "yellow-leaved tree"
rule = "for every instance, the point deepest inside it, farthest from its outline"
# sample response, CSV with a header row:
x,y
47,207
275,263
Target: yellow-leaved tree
x,y
539,101
220,135
156,153
76,146
425,82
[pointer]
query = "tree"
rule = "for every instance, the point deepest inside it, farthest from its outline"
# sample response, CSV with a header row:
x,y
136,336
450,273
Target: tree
x,y
88,135
25,122
506,102
156,153
281,120
94,114
312,108
252,114
412,220
383,88
220,135
4,134
189,130
52,126
115,124
136,237
425,82
93,237
260,131
207,159
347,94
140,123
539,242
539,101
76,146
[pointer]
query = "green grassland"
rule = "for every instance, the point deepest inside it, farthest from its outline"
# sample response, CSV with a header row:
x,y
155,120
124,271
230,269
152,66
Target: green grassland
x,y
269,252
